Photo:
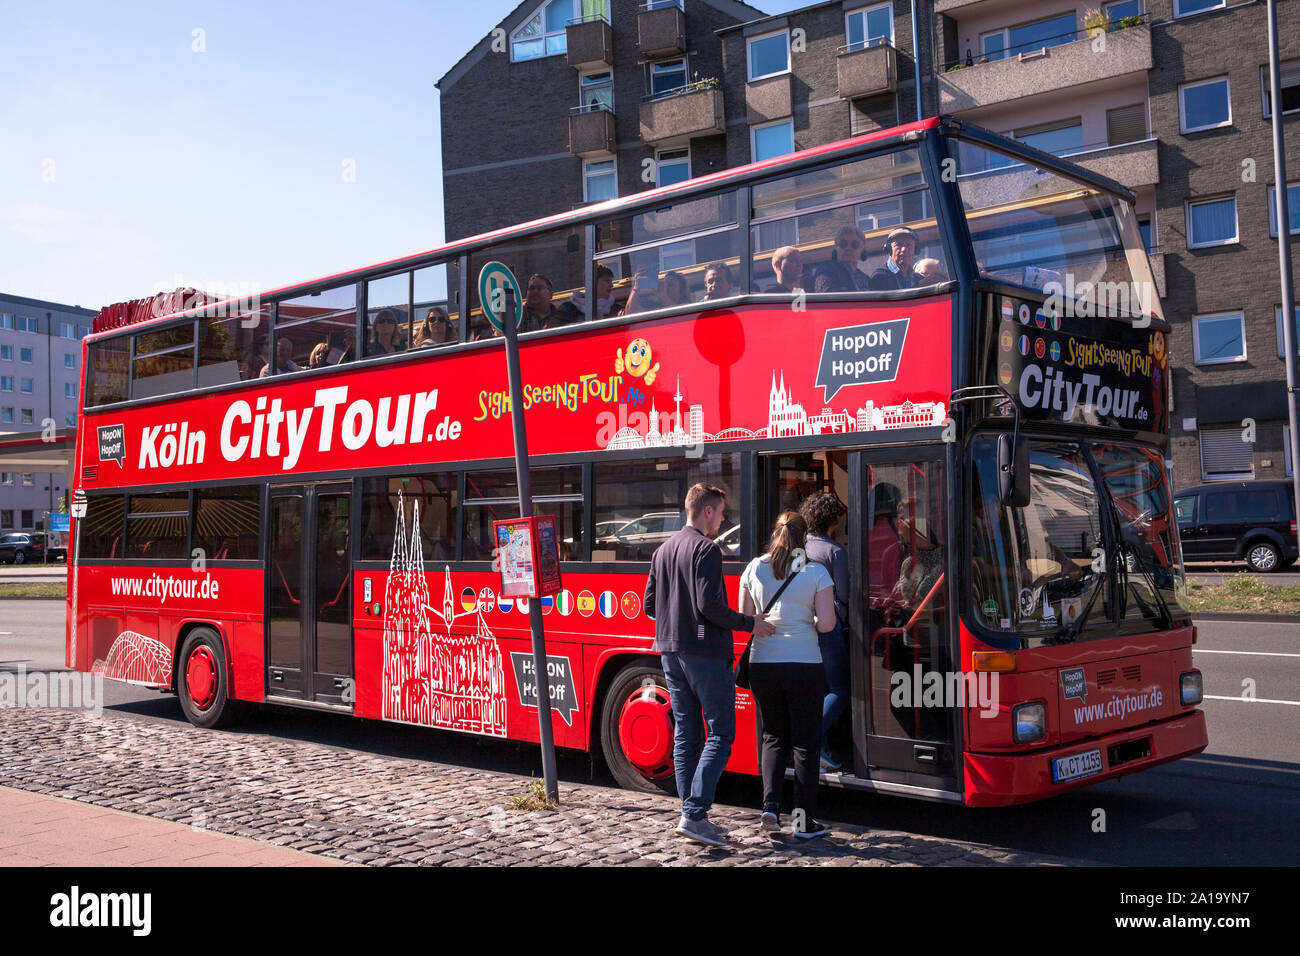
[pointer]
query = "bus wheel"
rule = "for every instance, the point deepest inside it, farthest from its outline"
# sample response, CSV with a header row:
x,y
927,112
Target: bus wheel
x,y
201,681
636,731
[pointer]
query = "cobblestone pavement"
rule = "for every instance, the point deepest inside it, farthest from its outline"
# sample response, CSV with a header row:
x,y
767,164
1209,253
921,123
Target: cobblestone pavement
x,y
369,809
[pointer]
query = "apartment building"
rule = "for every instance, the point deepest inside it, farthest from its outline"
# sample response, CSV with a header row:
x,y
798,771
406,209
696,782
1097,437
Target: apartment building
x,y
40,372
1168,97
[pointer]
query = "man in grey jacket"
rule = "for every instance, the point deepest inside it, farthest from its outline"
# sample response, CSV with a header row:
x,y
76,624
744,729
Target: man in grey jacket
x,y
686,597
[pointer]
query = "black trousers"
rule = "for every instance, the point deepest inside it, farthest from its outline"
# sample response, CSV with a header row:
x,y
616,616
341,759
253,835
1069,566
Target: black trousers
x,y
789,701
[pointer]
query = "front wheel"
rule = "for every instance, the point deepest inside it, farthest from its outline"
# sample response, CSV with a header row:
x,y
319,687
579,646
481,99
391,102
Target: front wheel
x,y
636,730
201,682
1263,556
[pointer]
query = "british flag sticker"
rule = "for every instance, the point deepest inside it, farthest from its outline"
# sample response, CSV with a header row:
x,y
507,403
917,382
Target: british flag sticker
x,y
487,599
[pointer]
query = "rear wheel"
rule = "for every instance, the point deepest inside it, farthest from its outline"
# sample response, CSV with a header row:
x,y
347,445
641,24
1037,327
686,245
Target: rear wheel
x,y
1263,556
636,730
201,682
19,557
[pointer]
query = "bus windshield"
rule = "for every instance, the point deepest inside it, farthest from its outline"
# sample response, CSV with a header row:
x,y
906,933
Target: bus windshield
x,y
1038,229
1037,570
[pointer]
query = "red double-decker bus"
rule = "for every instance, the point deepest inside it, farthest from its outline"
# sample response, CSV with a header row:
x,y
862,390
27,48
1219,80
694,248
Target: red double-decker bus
x,y
291,500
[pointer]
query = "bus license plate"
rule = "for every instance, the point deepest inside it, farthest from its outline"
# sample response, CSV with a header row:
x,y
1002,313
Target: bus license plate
x,y
1076,765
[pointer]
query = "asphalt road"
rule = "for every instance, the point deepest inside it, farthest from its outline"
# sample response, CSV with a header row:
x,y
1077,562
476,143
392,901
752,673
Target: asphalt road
x,y
1238,803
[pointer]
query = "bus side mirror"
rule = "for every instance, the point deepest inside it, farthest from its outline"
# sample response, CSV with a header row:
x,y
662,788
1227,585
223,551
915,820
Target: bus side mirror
x,y
1013,471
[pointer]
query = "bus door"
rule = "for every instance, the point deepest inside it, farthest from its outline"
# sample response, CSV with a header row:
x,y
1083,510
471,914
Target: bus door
x,y
309,603
900,644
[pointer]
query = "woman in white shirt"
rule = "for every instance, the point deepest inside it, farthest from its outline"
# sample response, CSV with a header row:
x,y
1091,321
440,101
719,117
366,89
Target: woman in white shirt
x,y
786,674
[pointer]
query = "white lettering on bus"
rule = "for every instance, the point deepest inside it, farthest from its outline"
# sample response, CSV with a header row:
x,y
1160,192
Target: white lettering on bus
x,y
1051,390
176,446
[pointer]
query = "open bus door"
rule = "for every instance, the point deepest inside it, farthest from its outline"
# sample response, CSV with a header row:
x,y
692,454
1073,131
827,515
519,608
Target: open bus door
x,y
901,620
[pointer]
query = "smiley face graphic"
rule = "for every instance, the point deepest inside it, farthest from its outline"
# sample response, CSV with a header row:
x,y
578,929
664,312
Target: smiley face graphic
x,y
639,361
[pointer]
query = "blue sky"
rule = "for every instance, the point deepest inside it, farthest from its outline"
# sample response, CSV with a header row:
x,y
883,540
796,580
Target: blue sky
x,y
236,144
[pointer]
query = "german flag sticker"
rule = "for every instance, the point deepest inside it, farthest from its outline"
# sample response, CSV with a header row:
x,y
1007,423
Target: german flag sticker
x,y
468,599
1004,373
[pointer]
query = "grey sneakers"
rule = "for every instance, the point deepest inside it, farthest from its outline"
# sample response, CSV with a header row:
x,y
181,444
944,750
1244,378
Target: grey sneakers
x,y
701,831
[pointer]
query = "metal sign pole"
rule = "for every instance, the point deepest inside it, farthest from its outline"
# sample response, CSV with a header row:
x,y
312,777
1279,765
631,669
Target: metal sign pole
x,y
547,738
1284,257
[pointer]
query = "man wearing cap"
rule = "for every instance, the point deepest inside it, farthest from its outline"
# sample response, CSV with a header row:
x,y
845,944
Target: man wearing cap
x,y
896,273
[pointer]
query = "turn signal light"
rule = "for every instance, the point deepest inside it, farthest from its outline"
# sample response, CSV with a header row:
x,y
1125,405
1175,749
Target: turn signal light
x,y
1001,661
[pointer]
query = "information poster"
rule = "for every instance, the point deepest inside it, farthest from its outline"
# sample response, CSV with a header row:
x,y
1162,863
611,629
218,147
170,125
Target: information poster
x,y
515,555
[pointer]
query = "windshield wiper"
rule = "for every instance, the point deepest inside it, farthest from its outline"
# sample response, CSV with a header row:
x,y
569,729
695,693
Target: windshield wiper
x,y
1165,618
1070,632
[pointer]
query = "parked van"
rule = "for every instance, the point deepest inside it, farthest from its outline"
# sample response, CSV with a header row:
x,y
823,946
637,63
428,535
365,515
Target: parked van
x,y
1254,521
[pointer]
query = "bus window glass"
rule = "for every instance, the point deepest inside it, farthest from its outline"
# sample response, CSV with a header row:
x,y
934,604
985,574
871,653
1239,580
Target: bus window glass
x,y
436,307
100,530
310,321
1034,568
232,347
492,496
641,504
827,230
678,254
558,295
432,497
107,371
227,522
158,526
1034,228
164,362
388,314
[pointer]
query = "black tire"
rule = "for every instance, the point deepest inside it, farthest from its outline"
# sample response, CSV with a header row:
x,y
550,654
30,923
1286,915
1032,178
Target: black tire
x,y
630,777
203,657
1263,556
20,557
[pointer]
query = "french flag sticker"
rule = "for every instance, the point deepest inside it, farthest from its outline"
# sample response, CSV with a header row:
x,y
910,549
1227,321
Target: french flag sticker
x,y
608,603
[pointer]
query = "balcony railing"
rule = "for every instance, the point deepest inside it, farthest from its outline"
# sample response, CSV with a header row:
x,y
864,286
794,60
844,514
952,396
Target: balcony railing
x,y
679,114
591,130
694,87
1039,47
661,29
589,42
866,69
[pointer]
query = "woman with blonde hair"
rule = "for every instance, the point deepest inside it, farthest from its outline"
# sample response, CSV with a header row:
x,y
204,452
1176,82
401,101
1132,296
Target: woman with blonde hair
x,y
786,673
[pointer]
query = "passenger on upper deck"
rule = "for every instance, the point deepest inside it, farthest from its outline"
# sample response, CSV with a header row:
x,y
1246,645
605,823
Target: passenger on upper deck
x,y
840,273
575,310
896,273
283,359
717,281
539,311
257,361
319,356
928,272
672,290
385,337
787,263
434,329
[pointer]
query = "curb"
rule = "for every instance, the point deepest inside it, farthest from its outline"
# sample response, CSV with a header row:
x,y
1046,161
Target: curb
x,y
1245,617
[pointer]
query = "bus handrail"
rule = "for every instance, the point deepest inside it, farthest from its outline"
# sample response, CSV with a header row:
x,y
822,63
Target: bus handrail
x,y
912,621
342,588
280,571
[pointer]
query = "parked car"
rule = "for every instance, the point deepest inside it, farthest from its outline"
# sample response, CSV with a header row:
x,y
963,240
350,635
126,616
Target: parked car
x,y
18,549
1254,521
54,550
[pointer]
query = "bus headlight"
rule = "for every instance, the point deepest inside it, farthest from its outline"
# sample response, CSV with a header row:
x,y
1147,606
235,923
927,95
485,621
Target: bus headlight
x,y
1189,688
1029,722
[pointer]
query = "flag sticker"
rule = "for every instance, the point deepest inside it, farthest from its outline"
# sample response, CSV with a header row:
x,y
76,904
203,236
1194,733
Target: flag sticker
x,y
522,604
506,604
631,605
564,603
608,603
468,599
548,604
586,603
487,599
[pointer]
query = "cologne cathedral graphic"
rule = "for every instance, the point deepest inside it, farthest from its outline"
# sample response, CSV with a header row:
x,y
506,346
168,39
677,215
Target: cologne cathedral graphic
x,y
433,676
786,418
136,659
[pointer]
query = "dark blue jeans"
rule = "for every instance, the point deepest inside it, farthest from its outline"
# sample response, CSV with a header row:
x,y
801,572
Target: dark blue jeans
x,y
703,692
835,656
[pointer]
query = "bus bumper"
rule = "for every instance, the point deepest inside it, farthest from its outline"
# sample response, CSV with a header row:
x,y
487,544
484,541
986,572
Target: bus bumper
x,y
999,780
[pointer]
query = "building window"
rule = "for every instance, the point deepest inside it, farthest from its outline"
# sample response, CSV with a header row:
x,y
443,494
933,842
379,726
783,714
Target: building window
x,y
769,55
1281,341
26,323
1289,79
667,75
25,356
673,166
29,516
1121,10
69,361
7,413
69,390
1224,455
599,181
83,331
1029,37
7,353
596,90
6,320
25,385
7,478
543,33
67,330
1127,124
70,419
7,518
1292,209
6,383
879,214
1185,8
1148,232
28,482
1058,138
870,26
1206,104
27,416
771,139
1219,338
1211,222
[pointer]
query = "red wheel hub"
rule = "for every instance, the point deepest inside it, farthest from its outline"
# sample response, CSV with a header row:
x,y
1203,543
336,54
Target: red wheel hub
x,y
201,677
645,730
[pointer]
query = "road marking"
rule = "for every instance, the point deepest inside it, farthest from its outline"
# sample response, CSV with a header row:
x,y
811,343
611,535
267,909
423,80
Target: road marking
x,y
1201,650
1254,700
1235,765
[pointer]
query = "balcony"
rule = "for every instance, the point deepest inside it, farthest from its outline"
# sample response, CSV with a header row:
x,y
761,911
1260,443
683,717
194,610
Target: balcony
x,y
1132,164
767,99
866,71
590,43
591,131
1063,67
661,29
676,117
